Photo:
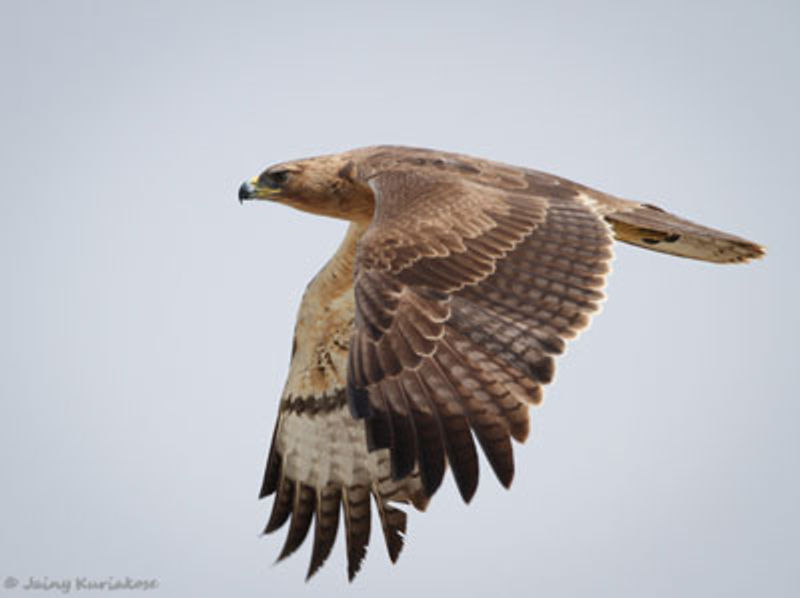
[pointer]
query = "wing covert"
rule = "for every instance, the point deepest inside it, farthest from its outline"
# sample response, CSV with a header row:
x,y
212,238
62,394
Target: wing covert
x,y
464,292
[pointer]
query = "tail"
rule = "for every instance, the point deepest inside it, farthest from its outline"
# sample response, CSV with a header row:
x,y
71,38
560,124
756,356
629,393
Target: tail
x,y
651,227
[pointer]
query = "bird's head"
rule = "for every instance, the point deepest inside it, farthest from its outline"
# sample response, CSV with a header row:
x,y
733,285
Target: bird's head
x,y
326,185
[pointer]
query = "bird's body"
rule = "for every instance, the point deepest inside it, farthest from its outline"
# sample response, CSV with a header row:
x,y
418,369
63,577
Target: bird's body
x,y
435,322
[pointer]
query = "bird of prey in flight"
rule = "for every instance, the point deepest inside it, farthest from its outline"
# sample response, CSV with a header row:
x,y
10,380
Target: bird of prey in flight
x,y
435,324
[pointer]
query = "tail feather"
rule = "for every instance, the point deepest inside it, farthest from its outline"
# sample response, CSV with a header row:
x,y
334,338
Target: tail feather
x,y
651,227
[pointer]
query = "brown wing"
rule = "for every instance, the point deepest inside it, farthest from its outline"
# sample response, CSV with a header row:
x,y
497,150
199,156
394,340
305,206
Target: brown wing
x,y
319,462
467,284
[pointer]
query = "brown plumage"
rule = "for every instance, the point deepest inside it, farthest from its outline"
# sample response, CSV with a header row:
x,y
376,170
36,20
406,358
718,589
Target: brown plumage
x,y
435,324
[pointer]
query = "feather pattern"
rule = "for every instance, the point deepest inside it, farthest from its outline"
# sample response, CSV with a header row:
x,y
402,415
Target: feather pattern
x,y
507,298
436,323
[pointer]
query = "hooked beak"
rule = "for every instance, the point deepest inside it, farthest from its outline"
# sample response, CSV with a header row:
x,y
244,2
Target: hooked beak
x,y
246,191
252,190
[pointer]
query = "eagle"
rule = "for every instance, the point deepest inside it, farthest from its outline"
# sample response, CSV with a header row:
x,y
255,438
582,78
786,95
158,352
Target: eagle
x,y
435,324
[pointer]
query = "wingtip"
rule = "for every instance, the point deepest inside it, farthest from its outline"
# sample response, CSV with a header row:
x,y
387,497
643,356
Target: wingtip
x,y
506,479
286,551
396,548
355,559
312,569
352,571
315,565
467,491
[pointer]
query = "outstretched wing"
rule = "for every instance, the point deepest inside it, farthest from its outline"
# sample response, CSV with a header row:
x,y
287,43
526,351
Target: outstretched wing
x,y
319,463
468,282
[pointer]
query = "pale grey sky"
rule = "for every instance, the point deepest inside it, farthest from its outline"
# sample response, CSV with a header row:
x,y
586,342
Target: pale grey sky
x,y
146,317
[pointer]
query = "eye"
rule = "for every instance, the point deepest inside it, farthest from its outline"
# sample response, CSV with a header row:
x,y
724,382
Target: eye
x,y
274,179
